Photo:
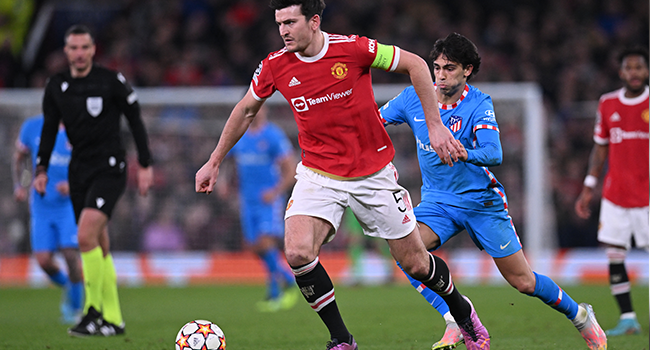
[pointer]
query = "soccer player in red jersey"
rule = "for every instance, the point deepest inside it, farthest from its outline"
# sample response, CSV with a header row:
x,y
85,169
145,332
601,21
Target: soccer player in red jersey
x,y
621,139
346,157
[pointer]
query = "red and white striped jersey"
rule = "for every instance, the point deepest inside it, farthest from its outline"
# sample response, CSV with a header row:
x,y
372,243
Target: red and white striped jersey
x,y
622,123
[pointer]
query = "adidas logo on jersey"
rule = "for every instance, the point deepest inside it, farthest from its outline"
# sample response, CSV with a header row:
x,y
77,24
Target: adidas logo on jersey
x,y
406,220
294,82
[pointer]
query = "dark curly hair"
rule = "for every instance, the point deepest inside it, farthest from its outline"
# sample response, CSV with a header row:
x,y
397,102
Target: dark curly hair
x,y
457,48
632,51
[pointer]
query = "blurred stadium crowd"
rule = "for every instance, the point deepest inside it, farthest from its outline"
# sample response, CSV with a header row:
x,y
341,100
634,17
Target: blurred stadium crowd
x,y
567,46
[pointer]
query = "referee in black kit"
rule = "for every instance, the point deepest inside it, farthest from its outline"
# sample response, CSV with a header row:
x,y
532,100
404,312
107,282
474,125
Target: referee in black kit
x,y
90,101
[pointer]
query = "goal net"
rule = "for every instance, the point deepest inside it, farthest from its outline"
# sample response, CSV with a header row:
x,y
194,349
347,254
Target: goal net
x,y
184,125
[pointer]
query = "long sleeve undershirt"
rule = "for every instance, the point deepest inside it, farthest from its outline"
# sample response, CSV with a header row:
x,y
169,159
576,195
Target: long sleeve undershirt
x,y
488,150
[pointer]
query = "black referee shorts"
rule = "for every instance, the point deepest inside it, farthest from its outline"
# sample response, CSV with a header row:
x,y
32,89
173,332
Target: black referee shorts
x,y
96,186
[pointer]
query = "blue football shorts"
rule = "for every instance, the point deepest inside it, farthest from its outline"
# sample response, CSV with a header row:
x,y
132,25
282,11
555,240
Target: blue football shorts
x,y
492,231
53,229
262,219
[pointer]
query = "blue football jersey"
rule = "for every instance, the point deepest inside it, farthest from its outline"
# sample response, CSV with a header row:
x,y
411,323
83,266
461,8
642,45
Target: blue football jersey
x,y
30,138
256,155
465,185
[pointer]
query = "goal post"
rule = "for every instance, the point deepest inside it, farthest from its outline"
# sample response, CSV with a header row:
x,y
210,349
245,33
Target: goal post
x,y
518,106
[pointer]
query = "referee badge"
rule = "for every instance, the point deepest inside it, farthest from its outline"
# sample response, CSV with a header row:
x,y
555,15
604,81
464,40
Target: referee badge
x,y
94,105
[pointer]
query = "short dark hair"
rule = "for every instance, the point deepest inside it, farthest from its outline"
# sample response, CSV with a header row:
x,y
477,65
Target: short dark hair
x,y
631,51
308,8
78,29
457,48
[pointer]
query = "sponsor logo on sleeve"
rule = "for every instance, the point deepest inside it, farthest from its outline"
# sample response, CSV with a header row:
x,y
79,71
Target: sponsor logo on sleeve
x,y
490,117
257,73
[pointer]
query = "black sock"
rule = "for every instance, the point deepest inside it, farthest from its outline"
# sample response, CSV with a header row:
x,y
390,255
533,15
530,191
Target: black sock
x,y
620,286
317,288
439,280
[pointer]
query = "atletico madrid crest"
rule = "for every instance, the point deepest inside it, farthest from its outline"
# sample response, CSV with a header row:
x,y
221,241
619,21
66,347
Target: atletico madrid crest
x,y
455,123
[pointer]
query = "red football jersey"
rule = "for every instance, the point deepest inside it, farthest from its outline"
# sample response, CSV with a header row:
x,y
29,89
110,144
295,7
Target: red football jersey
x,y
623,124
333,104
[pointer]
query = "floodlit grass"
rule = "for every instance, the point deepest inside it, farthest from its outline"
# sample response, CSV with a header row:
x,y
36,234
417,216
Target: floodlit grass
x,y
387,317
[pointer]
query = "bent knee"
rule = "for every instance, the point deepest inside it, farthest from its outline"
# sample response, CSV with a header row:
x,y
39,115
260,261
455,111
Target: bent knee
x,y
298,257
524,285
419,270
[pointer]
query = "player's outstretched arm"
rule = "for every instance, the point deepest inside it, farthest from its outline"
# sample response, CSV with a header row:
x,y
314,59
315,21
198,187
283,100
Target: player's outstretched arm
x,y
440,137
238,122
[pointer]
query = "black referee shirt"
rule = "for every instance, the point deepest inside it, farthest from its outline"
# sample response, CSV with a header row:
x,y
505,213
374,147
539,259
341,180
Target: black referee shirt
x,y
91,108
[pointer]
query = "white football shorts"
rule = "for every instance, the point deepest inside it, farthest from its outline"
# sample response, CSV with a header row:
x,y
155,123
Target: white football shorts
x,y
381,205
618,225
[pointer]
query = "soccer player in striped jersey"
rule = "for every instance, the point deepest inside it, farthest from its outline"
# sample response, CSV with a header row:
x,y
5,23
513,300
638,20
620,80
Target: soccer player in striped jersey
x,y
346,158
621,140
468,196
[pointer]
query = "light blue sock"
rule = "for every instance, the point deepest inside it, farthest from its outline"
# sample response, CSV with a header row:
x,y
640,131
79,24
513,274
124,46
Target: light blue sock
x,y
552,295
285,275
75,295
59,278
270,258
432,298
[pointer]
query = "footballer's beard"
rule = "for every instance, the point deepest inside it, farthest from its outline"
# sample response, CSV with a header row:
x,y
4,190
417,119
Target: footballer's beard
x,y
80,65
295,47
636,87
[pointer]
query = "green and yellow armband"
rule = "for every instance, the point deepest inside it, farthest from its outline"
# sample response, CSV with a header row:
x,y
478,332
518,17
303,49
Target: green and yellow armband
x,y
386,58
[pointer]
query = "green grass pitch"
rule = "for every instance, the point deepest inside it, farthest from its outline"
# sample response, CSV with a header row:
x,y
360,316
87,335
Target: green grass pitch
x,y
382,317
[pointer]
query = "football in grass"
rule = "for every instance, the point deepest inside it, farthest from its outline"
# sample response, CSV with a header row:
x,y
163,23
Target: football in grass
x,y
200,335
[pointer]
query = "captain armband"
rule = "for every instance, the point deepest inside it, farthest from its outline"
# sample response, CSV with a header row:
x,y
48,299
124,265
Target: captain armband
x,y
387,57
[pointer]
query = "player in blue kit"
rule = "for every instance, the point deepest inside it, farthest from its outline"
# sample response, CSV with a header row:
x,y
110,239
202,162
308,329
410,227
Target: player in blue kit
x,y
467,196
53,226
266,164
